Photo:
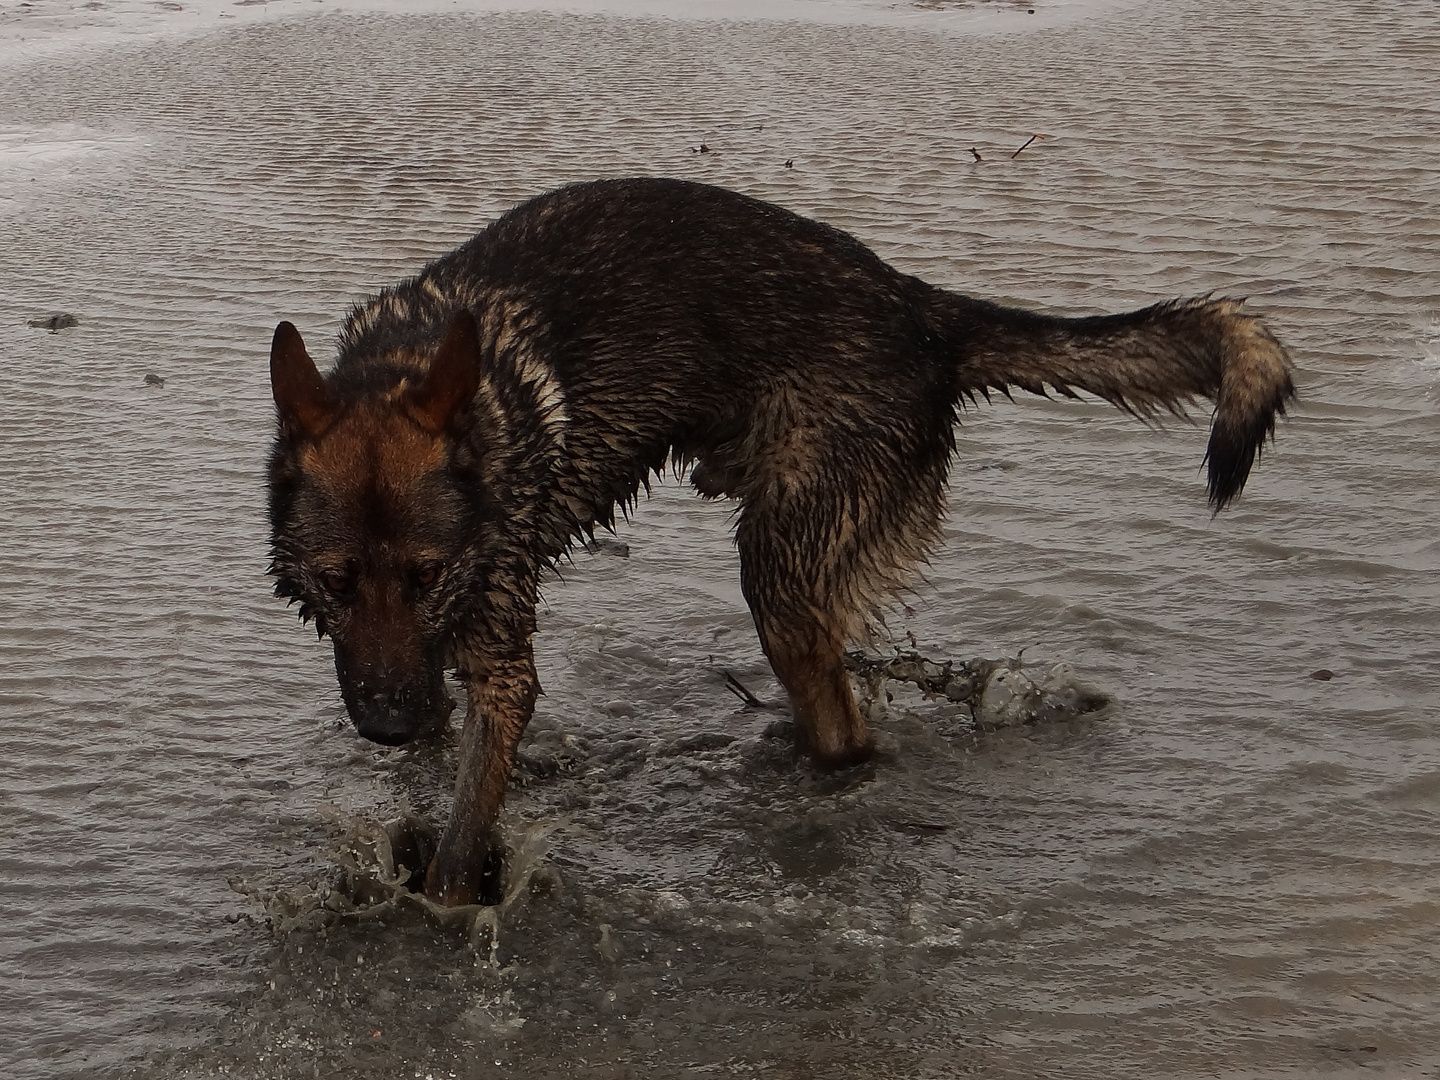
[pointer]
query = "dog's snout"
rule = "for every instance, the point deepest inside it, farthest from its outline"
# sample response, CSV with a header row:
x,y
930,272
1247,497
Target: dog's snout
x,y
391,717
391,701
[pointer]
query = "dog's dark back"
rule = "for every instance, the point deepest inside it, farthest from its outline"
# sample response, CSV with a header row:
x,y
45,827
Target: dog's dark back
x,y
716,317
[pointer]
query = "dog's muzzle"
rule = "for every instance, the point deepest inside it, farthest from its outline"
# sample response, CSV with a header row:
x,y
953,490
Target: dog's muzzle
x,y
390,710
395,714
384,723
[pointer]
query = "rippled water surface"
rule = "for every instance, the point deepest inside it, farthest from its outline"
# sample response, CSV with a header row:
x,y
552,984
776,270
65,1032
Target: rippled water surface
x,y
1232,873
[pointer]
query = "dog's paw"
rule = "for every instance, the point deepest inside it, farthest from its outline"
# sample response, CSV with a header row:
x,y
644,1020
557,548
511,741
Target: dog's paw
x,y
452,883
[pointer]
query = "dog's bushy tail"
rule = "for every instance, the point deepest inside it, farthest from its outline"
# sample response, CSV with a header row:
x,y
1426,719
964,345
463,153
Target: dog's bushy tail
x,y
1157,359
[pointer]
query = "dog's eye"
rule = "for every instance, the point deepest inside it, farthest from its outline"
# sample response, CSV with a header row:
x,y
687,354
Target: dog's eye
x,y
427,575
335,581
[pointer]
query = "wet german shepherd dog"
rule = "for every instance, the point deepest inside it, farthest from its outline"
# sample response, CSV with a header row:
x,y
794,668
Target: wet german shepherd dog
x,y
488,412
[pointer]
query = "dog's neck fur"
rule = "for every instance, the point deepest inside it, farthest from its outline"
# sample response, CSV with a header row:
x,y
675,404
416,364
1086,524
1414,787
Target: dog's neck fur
x,y
511,462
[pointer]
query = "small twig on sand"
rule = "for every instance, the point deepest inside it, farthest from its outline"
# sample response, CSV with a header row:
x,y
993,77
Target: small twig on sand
x,y
1028,141
736,687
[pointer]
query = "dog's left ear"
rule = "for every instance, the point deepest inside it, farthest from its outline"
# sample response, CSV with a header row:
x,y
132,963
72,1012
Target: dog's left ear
x,y
453,377
300,392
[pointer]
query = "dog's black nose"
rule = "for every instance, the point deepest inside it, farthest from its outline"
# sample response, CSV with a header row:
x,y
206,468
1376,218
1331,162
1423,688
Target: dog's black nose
x,y
381,720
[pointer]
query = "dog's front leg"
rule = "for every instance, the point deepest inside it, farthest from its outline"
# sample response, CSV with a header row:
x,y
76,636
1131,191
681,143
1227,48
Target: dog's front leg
x,y
502,698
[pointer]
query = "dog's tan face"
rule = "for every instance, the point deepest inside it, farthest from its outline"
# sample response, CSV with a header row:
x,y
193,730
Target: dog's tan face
x,y
366,532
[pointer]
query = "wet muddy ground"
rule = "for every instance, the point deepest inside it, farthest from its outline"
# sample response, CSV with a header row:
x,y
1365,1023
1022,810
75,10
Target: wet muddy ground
x,y
1229,871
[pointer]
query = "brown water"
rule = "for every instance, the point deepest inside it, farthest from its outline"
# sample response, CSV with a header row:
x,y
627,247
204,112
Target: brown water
x,y
1232,874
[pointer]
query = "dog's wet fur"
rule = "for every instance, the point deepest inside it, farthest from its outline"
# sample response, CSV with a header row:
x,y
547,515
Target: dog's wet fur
x,y
497,408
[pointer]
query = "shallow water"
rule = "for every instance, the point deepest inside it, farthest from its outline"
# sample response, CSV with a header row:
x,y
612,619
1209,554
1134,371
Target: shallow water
x,y
1232,873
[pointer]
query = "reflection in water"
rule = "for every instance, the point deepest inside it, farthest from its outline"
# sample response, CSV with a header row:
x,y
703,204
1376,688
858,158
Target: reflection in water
x,y
1230,870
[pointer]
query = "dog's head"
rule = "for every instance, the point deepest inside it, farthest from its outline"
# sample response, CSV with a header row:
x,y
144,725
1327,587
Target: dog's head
x,y
369,523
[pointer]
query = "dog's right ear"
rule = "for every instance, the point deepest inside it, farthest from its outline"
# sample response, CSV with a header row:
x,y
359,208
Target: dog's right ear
x,y
299,391
453,378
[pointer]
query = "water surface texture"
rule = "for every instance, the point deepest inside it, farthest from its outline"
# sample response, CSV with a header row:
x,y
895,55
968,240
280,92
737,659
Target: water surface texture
x,y
1232,873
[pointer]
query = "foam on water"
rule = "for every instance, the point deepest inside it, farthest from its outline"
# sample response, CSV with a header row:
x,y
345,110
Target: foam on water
x,y
1230,872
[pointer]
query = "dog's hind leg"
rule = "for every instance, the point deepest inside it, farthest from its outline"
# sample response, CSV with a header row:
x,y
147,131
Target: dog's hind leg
x,y
834,518
808,658
794,572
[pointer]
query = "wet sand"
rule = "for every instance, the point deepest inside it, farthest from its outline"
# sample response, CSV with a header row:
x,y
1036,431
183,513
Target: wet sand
x,y
1231,873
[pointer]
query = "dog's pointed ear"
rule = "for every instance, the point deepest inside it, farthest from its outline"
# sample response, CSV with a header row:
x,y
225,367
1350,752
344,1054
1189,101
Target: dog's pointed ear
x,y
300,393
453,377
